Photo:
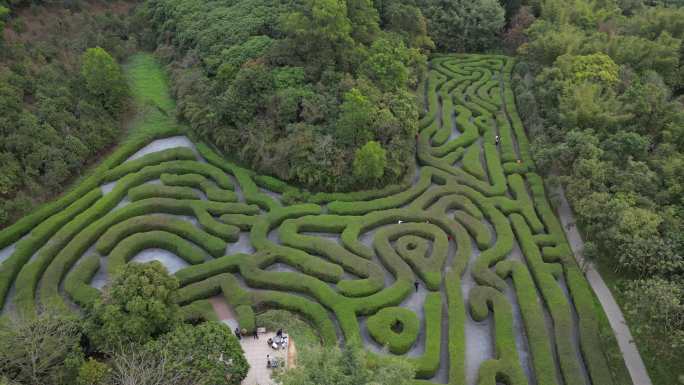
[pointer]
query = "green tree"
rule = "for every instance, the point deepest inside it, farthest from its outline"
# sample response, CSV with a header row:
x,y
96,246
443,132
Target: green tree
x,y
355,124
351,366
656,305
369,162
42,350
10,174
408,21
104,78
596,68
137,306
464,25
364,19
385,65
210,353
321,33
92,372
4,12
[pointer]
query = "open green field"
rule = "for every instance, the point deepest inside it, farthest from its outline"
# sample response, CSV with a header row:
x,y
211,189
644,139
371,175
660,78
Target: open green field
x,y
467,271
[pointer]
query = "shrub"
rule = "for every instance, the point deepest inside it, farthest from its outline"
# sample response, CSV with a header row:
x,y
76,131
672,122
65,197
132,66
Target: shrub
x,y
394,327
209,352
92,372
138,306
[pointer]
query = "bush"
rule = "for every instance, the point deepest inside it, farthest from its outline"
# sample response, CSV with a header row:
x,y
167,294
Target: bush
x,y
137,306
104,78
41,350
394,327
92,372
209,352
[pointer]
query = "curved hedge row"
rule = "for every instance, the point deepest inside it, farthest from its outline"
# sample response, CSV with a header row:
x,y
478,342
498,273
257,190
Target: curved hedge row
x,y
26,224
132,245
212,192
59,229
76,283
506,367
144,223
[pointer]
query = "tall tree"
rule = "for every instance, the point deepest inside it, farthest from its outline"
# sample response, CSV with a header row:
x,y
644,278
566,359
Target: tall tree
x,y
104,78
369,162
138,305
208,352
42,350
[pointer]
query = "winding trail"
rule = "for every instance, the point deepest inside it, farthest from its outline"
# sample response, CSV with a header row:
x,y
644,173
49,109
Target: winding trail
x,y
630,352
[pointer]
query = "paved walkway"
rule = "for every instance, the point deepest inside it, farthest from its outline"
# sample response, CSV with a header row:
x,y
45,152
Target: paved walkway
x,y
633,361
255,350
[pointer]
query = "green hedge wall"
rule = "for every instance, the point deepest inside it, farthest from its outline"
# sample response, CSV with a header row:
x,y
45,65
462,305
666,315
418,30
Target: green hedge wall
x,y
382,326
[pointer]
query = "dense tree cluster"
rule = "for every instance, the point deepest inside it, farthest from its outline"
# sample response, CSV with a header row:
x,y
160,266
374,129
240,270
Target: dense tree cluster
x,y
601,92
464,25
59,106
295,89
132,335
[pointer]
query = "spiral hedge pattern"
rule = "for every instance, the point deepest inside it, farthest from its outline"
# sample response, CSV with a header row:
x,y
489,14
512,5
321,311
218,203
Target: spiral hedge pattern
x,y
473,231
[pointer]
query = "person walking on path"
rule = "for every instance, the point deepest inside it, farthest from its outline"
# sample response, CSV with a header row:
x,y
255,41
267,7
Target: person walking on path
x,y
416,284
256,334
497,139
238,334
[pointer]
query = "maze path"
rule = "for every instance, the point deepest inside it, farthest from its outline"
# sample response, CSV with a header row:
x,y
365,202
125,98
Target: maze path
x,y
500,299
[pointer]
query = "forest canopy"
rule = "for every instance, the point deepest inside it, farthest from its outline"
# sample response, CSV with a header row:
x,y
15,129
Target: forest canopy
x,y
600,88
296,89
62,97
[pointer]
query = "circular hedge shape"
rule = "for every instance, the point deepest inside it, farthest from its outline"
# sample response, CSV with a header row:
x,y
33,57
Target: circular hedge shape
x,y
396,327
413,246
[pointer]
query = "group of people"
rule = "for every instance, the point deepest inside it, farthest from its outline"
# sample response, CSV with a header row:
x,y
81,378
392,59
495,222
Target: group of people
x,y
238,334
280,341
271,362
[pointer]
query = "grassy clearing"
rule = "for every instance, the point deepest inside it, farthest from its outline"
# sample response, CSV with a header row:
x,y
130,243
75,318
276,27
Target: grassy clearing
x,y
150,94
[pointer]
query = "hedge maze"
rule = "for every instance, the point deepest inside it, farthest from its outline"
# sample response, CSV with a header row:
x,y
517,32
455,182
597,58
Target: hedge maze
x,y
499,297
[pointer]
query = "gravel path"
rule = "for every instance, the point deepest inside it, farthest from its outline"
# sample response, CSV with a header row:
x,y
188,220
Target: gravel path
x,y
635,365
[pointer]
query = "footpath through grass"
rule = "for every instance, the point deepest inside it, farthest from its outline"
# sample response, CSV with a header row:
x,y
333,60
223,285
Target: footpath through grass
x,y
150,94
